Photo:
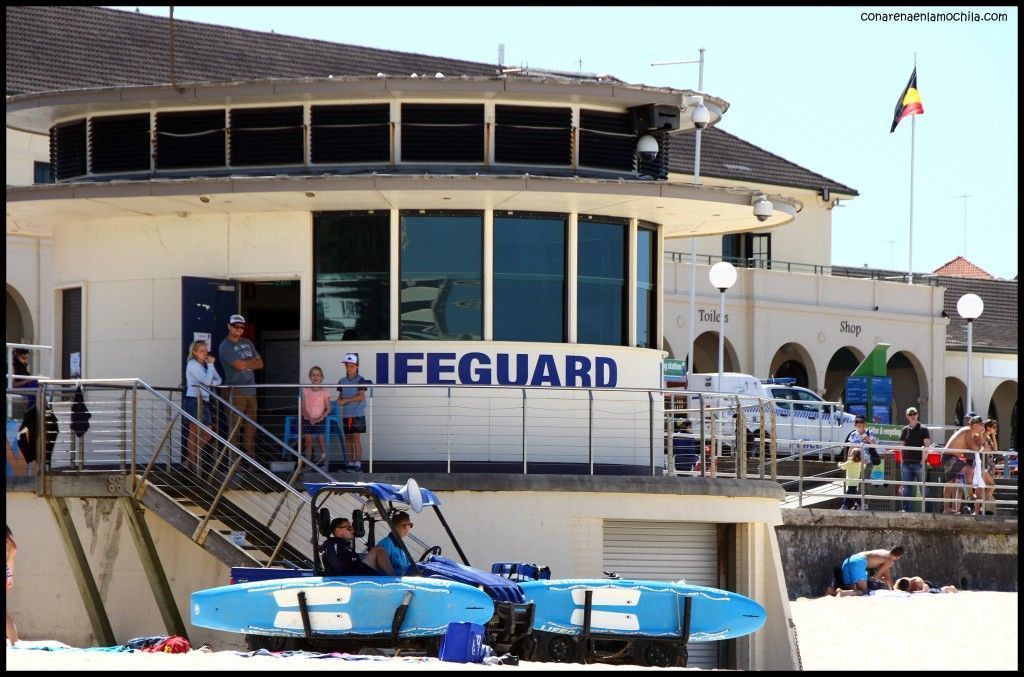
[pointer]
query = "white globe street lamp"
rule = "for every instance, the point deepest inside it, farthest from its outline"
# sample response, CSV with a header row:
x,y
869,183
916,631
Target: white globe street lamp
x,y
722,276
970,307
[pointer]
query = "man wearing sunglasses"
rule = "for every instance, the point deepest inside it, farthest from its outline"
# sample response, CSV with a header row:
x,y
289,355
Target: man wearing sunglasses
x,y
913,437
340,558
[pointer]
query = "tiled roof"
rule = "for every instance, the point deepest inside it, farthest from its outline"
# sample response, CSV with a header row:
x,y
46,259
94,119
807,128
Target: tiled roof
x,y
725,156
56,48
994,332
961,267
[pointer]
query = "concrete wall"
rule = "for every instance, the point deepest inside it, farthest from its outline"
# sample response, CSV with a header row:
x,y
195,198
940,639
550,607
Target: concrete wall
x,y
972,554
553,520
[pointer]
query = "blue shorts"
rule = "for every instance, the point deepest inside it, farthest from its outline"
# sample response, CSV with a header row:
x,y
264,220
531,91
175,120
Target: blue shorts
x,y
855,569
191,406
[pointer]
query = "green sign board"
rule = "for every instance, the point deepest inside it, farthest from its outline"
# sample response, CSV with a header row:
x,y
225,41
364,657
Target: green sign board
x,y
675,370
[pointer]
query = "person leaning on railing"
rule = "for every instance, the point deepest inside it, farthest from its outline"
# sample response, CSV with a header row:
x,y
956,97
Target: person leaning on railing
x,y
966,439
914,437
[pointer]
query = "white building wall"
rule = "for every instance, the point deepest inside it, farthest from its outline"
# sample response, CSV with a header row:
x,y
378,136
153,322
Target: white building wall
x,y
560,529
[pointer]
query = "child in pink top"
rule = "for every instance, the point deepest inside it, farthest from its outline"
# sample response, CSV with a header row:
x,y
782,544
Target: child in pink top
x,y
316,405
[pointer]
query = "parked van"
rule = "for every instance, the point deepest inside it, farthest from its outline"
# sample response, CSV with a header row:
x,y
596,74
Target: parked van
x,y
804,422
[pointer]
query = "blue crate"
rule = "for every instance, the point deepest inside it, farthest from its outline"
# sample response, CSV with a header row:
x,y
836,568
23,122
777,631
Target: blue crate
x,y
518,571
463,643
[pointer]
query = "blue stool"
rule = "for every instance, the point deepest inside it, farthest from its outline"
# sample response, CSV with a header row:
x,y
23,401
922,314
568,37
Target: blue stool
x,y
331,423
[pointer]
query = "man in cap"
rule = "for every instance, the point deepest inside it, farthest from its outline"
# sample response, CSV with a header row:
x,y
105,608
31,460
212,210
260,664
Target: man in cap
x,y
240,360
913,437
352,400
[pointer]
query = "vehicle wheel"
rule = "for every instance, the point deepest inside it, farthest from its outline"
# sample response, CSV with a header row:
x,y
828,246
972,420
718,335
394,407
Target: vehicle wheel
x,y
257,642
556,649
656,654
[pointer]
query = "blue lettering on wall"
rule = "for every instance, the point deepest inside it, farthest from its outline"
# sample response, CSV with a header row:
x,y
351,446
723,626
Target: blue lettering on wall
x,y
403,366
481,374
577,367
522,370
546,372
435,368
519,369
607,372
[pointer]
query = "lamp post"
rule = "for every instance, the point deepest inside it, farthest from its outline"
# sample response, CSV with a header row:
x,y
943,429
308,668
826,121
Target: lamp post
x,y
970,307
696,182
722,276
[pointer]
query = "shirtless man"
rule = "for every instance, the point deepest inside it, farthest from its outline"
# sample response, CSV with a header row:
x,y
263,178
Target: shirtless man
x,y
966,439
855,570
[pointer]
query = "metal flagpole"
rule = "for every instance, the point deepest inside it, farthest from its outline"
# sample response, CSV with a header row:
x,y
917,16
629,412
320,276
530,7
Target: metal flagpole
x,y
910,247
693,240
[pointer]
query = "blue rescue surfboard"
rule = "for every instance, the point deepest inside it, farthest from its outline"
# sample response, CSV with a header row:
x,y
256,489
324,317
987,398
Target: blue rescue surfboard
x,y
340,606
642,608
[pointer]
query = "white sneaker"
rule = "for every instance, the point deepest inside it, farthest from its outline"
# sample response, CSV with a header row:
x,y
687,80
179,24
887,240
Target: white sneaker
x,y
355,466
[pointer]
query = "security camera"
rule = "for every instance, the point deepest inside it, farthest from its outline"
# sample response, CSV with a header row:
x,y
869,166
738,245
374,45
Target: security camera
x,y
701,117
763,209
647,147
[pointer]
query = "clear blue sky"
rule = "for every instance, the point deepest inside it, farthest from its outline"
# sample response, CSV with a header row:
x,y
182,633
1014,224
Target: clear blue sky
x,y
815,86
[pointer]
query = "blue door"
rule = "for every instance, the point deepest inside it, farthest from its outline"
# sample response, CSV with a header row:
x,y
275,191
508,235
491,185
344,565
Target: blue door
x,y
206,305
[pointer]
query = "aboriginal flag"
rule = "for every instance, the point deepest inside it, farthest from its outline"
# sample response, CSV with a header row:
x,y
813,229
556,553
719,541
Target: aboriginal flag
x,y
909,103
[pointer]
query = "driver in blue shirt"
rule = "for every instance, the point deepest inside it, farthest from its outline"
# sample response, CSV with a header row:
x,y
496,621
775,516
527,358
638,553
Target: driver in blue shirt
x,y
400,561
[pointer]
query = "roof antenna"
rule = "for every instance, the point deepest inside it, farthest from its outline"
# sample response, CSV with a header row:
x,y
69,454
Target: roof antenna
x,y
170,26
581,65
501,54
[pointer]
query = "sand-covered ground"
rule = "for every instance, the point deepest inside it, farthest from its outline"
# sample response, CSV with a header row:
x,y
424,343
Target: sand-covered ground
x,y
963,631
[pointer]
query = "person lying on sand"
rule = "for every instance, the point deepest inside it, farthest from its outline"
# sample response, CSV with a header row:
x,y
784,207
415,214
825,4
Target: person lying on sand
x,y
917,584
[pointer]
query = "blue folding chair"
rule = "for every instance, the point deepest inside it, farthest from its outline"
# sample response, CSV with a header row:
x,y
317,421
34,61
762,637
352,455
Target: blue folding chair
x,y
331,423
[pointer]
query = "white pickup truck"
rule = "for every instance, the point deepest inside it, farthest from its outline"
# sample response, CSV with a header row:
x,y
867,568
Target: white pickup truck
x,y
804,422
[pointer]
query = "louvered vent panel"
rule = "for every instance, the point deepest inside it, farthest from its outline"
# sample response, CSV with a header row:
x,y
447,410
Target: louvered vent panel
x,y
191,139
533,135
607,140
67,149
350,133
119,143
266,136
435,133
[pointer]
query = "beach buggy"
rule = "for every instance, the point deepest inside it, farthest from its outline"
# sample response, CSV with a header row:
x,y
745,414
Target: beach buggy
x,y
521,609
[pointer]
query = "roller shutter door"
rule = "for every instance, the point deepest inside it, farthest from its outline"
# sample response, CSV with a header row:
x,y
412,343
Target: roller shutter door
x,y
666,551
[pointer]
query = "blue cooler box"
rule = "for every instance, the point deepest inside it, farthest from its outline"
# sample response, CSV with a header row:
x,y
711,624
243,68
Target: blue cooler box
x,y
463,643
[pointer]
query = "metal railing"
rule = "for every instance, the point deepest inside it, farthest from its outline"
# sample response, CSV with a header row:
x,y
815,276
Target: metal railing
x,y
141,432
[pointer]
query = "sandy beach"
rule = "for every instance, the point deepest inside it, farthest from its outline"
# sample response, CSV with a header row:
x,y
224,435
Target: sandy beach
x,y
917,632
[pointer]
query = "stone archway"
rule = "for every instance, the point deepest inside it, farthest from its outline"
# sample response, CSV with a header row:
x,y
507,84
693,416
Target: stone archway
x,y
705,355
793,360
956,407
1003,408
18,318
909,387
841,365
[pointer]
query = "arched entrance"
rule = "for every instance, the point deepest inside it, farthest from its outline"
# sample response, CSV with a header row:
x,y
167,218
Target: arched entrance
x,y
842,364
18,318
956,395
1003,408
791,360
908,386
705,355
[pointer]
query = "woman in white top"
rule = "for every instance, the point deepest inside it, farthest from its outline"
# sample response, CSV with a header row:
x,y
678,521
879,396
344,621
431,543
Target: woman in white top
x,y
199,372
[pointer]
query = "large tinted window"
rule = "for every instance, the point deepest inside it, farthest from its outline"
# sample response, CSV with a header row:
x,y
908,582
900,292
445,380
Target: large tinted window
x,y
441,269
351,267
646,304
601,281
529,277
